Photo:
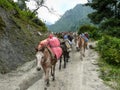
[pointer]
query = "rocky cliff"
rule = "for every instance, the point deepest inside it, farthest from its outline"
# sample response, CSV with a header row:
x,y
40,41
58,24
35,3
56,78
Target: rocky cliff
x,y
18,38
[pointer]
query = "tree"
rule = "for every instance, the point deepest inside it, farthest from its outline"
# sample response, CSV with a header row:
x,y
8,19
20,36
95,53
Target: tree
x,y
22,4
41,3
104,9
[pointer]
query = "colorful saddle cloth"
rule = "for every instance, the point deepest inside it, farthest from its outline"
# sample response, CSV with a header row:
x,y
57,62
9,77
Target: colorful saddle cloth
x,y
54,46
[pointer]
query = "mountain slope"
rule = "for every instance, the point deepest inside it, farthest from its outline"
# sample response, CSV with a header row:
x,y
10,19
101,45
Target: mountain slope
x,y
18,37
72,19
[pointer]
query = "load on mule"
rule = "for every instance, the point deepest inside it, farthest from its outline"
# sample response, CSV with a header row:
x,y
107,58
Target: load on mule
x,y
86,37
65,54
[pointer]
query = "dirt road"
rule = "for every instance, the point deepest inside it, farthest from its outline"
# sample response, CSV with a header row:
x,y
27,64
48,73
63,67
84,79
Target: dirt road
x,y
79,75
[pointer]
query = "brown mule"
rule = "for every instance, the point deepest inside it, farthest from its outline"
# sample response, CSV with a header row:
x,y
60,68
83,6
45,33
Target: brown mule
x,y
46,62
81,45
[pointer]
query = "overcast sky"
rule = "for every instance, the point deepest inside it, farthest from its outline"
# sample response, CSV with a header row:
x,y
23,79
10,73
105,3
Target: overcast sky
x,y
59,6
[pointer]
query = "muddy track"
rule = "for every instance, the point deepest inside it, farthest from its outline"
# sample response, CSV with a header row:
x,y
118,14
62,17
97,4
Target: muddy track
x,y
21,78
79,75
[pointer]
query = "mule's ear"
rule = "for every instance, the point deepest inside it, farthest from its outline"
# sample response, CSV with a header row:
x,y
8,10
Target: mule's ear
x,y
36,49
42,49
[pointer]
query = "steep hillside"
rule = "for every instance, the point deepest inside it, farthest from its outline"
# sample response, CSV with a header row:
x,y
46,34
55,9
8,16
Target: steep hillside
x,y
18,37
72,19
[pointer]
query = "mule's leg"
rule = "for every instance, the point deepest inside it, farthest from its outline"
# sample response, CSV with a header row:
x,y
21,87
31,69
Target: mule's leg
x,y
47,76
45,88
84,47
81,54
45,82
44,69
67,56
81,51
77,46
60,63
51,71
65,60
54,72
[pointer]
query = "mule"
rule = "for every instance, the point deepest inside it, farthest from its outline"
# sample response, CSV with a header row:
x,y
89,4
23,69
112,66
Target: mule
x,y
81,44
46,62
65,54
75,41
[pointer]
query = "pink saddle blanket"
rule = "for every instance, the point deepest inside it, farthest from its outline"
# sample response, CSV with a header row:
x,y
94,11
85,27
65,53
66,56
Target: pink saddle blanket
x,y
57,51
42,43
54,42
55,46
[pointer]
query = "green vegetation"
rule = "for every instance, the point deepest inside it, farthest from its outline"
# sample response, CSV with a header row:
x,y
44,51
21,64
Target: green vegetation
x,y
7,4
109,49
107,18
104,9
25,15
110,74
111,27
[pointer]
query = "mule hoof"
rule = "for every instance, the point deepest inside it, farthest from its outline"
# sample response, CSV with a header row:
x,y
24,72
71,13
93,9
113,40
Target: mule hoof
x,y
47,84
68,56
53,79
38,69
64,66
45,88
59,68
81,58
52,74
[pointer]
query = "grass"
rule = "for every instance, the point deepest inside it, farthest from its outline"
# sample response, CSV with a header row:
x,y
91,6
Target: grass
x,y
109,61
6,4
110,74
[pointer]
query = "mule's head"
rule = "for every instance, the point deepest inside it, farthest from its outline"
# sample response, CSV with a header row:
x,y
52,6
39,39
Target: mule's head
x,y
39,58
40,47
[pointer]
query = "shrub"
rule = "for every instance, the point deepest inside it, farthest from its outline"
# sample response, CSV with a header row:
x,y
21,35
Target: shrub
x,y
27,14
109,49
7,4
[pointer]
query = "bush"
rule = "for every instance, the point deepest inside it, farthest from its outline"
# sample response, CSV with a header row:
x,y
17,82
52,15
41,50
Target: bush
x,y
115,32
7,4
109,49
27,14
38,21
